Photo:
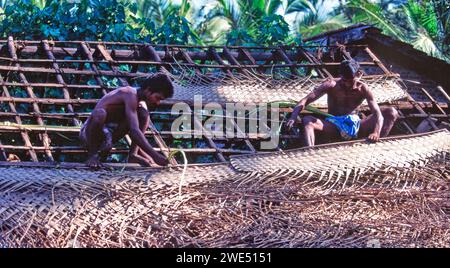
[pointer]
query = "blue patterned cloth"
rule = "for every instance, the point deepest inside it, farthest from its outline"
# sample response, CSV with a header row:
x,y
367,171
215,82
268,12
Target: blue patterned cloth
x,y
348,125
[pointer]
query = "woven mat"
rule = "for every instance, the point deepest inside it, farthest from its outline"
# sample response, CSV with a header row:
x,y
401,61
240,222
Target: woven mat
x,y
254,91
244,204
400,152
36,178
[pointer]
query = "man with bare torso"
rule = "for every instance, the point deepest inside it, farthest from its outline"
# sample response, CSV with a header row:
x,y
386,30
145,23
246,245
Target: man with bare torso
x,y
124,111
344,96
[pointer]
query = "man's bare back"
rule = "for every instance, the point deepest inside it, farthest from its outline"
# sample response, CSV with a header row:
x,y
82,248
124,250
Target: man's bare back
x,y
114,103
124,111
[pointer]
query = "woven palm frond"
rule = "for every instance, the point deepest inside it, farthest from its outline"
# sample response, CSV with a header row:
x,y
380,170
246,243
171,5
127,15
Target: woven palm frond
x,y
236,205
80,208
340,164
253,88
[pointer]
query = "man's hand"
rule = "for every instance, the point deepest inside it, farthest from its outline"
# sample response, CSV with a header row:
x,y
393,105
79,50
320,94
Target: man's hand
x,y
290,123
374,137
160,159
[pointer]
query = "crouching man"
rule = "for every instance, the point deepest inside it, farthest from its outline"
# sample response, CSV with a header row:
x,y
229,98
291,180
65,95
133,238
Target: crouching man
x,y
124,111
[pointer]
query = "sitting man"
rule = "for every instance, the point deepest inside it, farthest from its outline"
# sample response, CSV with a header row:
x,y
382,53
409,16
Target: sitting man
x,y
124,111
344,96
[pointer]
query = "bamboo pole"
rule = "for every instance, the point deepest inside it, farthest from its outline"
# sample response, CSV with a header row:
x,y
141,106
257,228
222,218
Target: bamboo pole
x,y
88,55
282,56
23,79
410,99
24,133
60,79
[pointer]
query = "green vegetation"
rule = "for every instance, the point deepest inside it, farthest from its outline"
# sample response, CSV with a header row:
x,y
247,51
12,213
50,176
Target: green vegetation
x,y
424,24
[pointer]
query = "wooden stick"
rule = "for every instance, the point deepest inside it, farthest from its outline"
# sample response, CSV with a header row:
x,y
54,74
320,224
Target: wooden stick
x,y
282,56
88,55
60,79
24,133
23,79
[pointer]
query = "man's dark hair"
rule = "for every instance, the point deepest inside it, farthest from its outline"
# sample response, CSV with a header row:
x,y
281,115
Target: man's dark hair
x,y
349,69
159,82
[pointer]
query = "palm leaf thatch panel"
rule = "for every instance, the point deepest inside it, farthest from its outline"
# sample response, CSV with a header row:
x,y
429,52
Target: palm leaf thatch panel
x,y
344,158
217,206
261,90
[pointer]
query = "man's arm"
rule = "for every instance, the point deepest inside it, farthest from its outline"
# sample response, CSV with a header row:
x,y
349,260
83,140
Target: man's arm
x,y
375,109
311,97
136,134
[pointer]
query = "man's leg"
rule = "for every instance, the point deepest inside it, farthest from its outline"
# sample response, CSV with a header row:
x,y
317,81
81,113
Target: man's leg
x,y
93,136
311,125
120,132
390,115
136,155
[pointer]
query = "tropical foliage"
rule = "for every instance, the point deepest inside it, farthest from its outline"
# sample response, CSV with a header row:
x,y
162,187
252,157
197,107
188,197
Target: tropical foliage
x,y
310,20
425,24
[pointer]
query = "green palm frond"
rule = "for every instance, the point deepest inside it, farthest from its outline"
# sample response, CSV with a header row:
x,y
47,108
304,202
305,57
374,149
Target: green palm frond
x,y
228,10
424,24
159,10
259,5
422,16
39,3
156,10
310,21
185,8
302,6
368,12
213,31
272,6
311,25
424,42
265,7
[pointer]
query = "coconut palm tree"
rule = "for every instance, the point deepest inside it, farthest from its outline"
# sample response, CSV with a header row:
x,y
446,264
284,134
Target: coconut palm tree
x,y
172,20
237,20
159,10
228,18
219,19
372,12
423,21
310,20
265,7
442,9
423,28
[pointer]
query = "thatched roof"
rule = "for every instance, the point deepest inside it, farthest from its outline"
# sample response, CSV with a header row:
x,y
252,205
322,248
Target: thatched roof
x,y
388,203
